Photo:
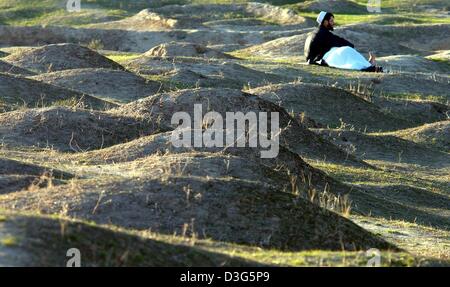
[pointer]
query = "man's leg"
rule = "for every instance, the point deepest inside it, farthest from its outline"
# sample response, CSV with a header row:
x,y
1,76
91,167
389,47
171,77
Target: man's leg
x,y
373,69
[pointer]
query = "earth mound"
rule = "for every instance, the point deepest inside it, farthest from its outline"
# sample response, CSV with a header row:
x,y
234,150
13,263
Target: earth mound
x,y
329,106
418,112
16,175
386,146
11,69
19,92
66,129
38,241
135,41
283,16
115,85
210,12
58,57
196,195
145,20
293,136
192,72
434,135
411,63
335,6
184,49
287,164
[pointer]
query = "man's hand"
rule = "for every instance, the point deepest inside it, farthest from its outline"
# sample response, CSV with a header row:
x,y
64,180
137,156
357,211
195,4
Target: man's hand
x,y
372,59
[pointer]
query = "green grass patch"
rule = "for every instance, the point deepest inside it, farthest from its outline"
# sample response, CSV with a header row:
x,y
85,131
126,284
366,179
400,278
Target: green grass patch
x,y
313,257
122,58
417,97
382,176
167,84
9,241
382,19
396,6
440,61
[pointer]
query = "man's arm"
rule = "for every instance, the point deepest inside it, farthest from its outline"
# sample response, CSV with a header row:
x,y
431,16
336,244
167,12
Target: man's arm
x,y
341,42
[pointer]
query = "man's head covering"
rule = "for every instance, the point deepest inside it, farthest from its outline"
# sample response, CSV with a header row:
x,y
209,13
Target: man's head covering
x,y
321,16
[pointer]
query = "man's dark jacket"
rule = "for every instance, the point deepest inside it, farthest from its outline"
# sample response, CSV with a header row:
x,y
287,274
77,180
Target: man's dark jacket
x,y
320,42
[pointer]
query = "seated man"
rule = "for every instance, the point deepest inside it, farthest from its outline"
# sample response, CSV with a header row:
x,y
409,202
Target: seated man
x,y
324,48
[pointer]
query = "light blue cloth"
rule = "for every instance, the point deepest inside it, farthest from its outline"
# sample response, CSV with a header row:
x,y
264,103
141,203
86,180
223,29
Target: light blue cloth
x,y
346,58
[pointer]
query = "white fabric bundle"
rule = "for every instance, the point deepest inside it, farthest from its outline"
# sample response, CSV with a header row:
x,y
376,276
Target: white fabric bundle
x,y
346,58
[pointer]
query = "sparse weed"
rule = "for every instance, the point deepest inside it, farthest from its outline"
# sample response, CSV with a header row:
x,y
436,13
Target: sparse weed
x,y
45,180
325,199
96,44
